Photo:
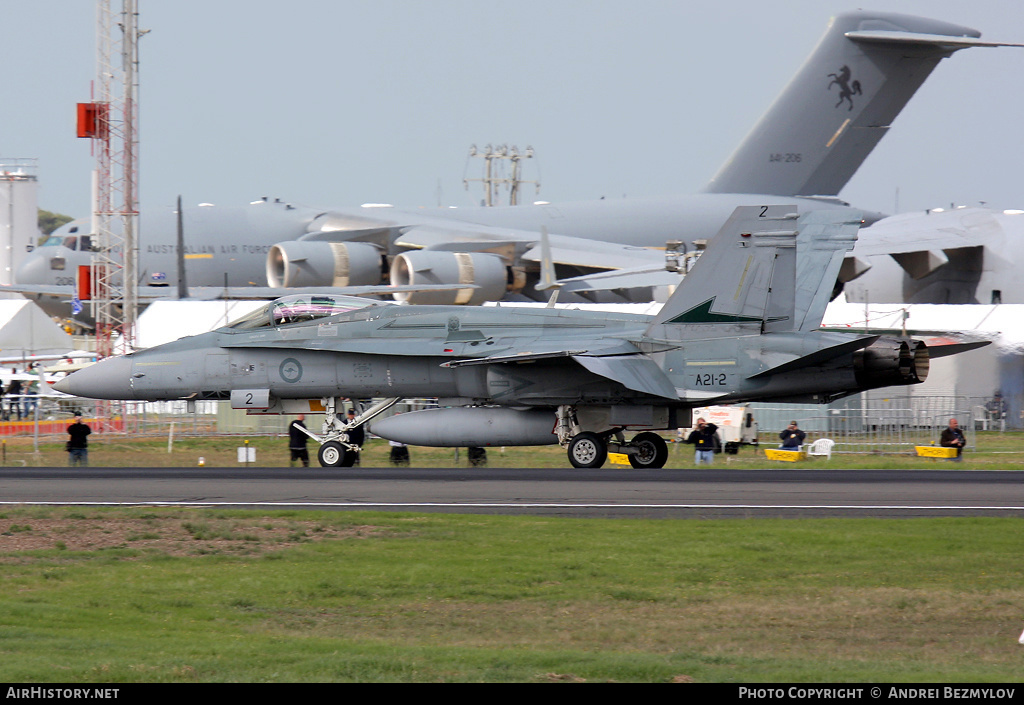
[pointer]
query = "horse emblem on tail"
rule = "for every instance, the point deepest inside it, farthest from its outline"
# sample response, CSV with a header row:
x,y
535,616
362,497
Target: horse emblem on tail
x,y
846,89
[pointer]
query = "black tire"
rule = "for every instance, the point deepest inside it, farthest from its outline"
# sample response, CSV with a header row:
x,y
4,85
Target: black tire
x,y
587,450
331,454
652,451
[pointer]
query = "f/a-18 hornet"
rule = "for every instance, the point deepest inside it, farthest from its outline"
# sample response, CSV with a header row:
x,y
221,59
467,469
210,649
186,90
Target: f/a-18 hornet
x,y
741,327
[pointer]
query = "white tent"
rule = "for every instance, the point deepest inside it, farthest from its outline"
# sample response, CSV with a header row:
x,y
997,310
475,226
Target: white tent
x,y
26,330
164,321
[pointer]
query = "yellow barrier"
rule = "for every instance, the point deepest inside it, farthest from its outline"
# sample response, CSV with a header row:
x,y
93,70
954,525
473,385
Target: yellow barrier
x,y
935,452
788,456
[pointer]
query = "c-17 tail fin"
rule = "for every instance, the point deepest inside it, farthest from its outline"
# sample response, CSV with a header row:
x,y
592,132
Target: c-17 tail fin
x,y
765,271
840,104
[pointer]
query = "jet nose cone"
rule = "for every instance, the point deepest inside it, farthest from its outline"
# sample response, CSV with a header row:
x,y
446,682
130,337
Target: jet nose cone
x,y
108,379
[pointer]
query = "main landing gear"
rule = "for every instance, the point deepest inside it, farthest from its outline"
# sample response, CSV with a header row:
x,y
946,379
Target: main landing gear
x,y
334,441
588,449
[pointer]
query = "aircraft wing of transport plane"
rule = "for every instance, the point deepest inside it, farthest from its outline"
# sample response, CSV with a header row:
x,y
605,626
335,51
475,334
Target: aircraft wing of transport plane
x,y
742,326
802,151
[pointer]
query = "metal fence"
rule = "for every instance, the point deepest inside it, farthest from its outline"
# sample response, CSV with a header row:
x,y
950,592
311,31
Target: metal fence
x,y
148,419
889,424
856,424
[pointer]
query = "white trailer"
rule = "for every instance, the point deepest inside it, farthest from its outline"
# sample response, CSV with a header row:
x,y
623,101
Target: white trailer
x,y
736,425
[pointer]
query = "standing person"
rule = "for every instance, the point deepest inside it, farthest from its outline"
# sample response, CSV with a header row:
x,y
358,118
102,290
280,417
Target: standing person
x,y
792,437
78,443
31,398
953,437
297,441
357,436
14,395
399,453
704,437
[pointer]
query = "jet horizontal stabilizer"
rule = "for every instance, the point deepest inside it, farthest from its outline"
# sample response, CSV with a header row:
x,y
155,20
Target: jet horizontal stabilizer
x,y
945,41
817,358
944,349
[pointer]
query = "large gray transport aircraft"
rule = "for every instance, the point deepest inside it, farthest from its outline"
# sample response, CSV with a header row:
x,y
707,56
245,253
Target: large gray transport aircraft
x,y
742,326
803,150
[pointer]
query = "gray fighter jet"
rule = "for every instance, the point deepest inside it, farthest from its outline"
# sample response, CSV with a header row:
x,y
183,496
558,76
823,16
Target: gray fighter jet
x,y
807,145
741,327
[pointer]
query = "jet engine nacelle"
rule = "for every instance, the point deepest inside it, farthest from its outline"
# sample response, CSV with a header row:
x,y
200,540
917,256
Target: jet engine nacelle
x,y
476,426
889,361
488,272
301,263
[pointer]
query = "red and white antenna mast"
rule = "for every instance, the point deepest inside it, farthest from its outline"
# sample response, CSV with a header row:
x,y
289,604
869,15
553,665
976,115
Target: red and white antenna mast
x,y
111,120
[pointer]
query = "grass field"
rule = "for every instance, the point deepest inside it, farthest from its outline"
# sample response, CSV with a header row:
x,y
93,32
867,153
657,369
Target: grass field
x,y
994,451
174,595
169,595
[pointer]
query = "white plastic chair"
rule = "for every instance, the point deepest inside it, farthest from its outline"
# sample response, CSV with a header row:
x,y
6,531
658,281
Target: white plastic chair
x,y
981,417
822,446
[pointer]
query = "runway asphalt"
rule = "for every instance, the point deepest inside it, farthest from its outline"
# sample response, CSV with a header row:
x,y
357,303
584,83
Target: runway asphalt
x,y
563,492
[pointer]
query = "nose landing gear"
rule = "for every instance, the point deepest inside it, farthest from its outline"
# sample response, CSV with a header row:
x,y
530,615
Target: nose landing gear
x,y
335,441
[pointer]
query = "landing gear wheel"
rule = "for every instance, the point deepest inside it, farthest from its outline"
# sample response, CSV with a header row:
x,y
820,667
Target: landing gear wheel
x,y
587,450
652,451
330,454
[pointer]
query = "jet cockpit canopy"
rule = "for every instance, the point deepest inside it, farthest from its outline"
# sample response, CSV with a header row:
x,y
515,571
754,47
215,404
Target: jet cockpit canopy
x,y
300,308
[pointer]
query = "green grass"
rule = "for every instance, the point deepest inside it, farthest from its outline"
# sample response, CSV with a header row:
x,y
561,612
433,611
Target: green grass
x,y
408,597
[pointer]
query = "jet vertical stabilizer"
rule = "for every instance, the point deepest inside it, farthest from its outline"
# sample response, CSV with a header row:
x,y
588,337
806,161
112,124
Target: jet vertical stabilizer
x,y
825,239
743,283
862,73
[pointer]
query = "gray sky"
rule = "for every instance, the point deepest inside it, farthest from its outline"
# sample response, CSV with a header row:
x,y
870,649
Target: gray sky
x,y
342,102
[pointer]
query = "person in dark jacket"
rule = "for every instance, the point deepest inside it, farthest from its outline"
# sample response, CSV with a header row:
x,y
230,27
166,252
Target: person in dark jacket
x,y
953,437
78,443
357,436
792,437
704,438
297,441
14,396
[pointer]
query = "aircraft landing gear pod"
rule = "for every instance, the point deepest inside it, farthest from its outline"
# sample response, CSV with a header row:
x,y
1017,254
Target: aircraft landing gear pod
x,y
590,448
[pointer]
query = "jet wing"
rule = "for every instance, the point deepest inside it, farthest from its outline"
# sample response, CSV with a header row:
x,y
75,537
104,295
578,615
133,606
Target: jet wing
x,y
148,294
580,252
64,292
920,242
267,292
633,371
622,348
932,231
619,279
565,249
637,372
